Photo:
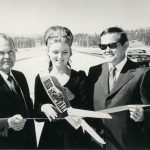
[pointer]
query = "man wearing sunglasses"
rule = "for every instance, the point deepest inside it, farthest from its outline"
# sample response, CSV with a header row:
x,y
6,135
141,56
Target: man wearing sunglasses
x,y
116,83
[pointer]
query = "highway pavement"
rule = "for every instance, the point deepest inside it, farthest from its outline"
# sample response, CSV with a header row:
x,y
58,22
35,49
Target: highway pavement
x,y
32,61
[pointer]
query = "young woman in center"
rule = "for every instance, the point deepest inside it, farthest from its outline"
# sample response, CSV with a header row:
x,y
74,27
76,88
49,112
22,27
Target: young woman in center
x,y
58,133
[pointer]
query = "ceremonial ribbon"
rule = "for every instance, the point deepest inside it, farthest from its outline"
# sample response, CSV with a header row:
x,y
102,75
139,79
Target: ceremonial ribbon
x,y
122,108
95,114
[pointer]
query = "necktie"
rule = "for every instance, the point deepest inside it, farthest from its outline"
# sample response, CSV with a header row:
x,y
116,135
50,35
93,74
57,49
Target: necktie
x,y
14,85
19,94
112,78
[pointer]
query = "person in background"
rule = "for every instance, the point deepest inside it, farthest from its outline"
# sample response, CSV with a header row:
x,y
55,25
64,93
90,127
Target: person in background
x,y
56,133
117,83
16,132
145,86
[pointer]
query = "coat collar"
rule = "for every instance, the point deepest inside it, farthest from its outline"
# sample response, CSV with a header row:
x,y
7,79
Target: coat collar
x,y
126,74
104,78
21,105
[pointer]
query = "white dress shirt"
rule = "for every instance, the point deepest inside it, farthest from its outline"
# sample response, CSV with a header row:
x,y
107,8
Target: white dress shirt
x,y
118,67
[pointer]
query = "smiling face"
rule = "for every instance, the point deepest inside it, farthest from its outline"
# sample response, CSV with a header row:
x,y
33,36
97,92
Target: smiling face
x,y
113,55
7,55
59,54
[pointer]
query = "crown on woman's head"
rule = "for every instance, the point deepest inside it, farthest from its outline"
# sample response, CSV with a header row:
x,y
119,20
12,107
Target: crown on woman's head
x,y
58,34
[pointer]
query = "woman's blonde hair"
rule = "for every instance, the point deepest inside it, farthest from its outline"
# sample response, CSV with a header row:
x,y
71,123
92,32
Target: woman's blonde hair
x,y
56,34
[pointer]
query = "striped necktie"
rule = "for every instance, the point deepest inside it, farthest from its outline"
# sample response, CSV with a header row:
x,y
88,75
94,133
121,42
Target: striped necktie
x,y
13,84
112,77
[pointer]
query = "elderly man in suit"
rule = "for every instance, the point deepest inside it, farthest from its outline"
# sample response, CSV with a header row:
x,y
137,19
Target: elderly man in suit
x,y
116,83
15,102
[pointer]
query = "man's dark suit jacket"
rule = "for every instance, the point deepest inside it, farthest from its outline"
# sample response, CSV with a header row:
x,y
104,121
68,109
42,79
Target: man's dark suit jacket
x,y
126,133
10,105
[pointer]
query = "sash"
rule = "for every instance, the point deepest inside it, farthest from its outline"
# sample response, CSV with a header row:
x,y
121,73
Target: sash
x,y
59,98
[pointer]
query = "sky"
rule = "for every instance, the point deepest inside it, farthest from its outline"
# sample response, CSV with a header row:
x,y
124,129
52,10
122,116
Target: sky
x,y
33,17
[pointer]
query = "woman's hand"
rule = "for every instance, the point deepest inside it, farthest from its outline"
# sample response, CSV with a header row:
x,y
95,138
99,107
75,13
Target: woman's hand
x,y
136,113
49,111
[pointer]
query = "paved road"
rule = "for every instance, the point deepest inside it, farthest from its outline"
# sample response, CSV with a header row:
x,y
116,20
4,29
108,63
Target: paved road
x,y
32,61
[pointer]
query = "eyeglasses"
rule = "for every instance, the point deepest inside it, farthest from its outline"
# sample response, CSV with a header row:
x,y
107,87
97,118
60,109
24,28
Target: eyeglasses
x,y
111,45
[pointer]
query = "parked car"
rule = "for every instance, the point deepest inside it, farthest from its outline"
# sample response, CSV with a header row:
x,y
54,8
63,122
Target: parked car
x,y
139,55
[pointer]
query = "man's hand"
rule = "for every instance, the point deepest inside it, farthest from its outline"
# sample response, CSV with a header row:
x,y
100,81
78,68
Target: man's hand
x,y
16,122
49,111
136,113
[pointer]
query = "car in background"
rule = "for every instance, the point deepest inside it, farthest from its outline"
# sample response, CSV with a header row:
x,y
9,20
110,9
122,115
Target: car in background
x,y
139,55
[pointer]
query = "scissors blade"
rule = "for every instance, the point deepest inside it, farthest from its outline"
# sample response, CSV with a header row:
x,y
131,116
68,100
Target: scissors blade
x,y
121,108
74,121
87,113
91,131
115,109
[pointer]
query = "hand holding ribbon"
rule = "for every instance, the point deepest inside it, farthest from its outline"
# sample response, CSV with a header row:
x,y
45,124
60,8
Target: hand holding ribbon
x,y
49,111
59,98
16,122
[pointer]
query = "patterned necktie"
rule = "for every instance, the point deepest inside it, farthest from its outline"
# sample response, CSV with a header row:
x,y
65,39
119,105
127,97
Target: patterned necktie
x,y
14,85
19,94
112,77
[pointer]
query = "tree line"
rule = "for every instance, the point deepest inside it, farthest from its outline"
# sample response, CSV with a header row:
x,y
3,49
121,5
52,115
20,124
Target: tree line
x,y
27,42
86,40
83,39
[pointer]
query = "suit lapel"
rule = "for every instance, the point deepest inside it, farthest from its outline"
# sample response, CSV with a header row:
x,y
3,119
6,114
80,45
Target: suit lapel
x,y
10,94
103,80
100,75
21,103
124,77
5,87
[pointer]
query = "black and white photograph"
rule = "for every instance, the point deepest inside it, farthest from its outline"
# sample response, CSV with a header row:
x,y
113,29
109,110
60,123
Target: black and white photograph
x,y
75,74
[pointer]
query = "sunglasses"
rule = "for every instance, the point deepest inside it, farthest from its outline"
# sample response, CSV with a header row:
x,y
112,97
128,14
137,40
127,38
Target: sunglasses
x,y
111,45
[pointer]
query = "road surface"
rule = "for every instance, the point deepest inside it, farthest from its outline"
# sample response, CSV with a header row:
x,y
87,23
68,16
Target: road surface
x,y
32,61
